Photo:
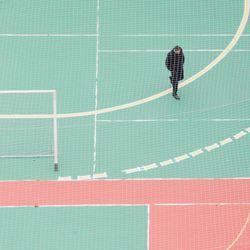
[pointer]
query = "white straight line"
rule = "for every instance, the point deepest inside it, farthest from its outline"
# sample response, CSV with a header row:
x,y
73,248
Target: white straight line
x,y
205,204
48,35
174,120
165,50
26,156
132,170
148,167
148,228
180,35
167,162
239,135
28,91
196,152
181,158
96,86
121,35
84,177
212,147
100,175
226,141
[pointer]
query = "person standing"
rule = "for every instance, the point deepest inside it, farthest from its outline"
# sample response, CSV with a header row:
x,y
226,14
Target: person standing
x,y
174,62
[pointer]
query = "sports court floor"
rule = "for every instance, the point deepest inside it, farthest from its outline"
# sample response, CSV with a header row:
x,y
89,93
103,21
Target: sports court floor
x,y
120,129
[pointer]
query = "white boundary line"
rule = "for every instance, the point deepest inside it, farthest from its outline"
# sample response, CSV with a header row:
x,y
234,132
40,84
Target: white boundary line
x,y
243,229
96,85
204,204
116,35
189,155
148,228
164,50
211,65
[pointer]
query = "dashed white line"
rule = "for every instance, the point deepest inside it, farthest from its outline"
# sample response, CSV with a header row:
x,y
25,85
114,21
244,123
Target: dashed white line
x,y
187,156
239,135
150,166
226,141
181,158
166,163
212,147
196,152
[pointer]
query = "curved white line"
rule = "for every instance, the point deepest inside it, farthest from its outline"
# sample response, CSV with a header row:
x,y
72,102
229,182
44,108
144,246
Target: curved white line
x,y
243,229
188,155
153,97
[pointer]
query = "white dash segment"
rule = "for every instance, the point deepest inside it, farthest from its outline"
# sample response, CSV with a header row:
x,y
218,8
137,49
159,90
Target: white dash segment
x,y
196,152
248,130
148,167
167,162
84,177
132,170
226,141
212,147
239,135
100,175
66,178
181,158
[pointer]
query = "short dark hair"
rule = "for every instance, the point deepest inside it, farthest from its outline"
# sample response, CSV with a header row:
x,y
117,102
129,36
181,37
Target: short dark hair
x,y
177,47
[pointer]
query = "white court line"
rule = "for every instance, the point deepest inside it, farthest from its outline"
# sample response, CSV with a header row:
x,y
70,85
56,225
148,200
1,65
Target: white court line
x,y
187,155
181,158
48,35
100,175
226,141
116,35
180,35
171,120
212,147
166,163
243,229
205,204
96,86
196,152
165,50
148,228
239,135
211,65
148,167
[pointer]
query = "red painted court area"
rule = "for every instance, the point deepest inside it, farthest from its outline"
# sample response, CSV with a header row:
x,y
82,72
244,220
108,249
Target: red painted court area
x,y
183,214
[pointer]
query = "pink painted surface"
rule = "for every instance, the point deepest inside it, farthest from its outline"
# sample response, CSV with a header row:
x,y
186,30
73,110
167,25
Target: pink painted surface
x,y
29,193
198,227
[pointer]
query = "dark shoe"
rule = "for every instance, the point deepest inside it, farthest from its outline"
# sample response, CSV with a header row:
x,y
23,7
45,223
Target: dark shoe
x,y
176,97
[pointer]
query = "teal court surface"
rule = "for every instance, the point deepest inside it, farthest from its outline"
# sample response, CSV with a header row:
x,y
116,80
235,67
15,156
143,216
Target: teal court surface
x,y
98,57
84,84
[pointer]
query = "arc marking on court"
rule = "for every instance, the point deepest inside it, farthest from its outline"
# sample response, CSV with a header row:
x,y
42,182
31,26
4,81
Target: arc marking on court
x,y
243,229
153,97
186,156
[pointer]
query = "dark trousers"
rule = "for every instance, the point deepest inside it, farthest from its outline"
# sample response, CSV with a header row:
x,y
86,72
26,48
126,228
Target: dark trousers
x,y
174,84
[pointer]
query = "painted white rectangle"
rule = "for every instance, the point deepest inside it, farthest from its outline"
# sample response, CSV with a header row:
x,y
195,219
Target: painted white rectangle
x,y
100,175
248,130
212,147
132,170
228,140
84,177
239,135
165,163
181,158
196,152
66,178
148,167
